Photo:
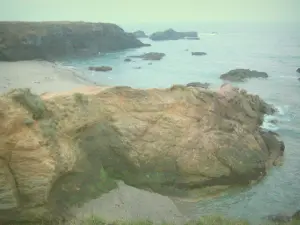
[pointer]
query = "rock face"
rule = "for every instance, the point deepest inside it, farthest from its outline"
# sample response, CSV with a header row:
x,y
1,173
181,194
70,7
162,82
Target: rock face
x,y
140,34
171,141
100,68
151,56
50,40
198,84
240,75
171,34
199,53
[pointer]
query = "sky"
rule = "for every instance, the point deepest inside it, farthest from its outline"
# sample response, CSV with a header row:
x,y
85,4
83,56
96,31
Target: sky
x,y
153,11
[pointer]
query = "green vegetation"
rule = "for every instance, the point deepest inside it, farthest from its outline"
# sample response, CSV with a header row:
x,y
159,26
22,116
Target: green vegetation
x,y
28,122
33,103
80,98
48,128
206,220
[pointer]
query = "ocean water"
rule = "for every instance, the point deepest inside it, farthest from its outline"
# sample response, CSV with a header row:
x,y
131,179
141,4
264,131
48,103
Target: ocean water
x,y
272,48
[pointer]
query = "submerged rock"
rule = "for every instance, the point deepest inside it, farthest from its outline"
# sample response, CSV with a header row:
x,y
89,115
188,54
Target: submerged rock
x,y
100,68
151,56
198,84
284,218
240,75
52,40
171,34
140,34
68,148
199,53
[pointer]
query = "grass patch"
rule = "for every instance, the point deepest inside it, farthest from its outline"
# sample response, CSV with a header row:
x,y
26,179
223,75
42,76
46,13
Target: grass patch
x,y
48,128
31,102
80,98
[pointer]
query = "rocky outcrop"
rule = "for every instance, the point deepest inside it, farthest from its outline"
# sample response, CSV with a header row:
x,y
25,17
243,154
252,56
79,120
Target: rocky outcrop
x,y
198,84
240,75
199,53
171,34
172,141
50,40
151,56
140,34
100,68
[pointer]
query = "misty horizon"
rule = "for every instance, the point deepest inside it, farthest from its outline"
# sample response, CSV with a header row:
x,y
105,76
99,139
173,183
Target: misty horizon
x,y
134,11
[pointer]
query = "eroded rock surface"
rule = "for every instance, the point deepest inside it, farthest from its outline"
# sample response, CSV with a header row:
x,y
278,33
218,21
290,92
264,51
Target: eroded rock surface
x,y
50,40
171,141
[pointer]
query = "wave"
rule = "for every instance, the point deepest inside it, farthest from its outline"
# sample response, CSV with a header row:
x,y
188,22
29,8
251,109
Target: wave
x,y
272,122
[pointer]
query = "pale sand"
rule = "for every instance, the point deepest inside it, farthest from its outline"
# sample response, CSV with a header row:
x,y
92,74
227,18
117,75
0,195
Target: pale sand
x,y
131,204
40,76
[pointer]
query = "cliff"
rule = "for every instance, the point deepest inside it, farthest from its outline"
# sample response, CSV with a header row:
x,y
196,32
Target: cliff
x,y
60,148
49,40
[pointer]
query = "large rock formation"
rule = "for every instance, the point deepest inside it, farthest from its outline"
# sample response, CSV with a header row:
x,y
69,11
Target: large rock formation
x,y
171,34
48,40
241,75
140,34
173,141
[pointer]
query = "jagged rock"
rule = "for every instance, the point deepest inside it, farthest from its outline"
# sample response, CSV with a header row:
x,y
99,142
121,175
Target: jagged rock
x,y
140,34
240,75
100,68
171,34
150,56
198,84
51,40
199,53
54,148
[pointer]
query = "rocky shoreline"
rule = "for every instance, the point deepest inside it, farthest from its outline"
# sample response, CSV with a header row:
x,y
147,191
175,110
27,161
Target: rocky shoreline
x,y
53,40
84,131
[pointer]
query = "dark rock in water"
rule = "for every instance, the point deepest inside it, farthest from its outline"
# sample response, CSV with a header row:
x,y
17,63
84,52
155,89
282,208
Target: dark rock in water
x,y
298,70
140,34
53,40
100,68
274,121
127,60
240,75
171,34
198,84
199,53
151,56
283,218
192,38
138,67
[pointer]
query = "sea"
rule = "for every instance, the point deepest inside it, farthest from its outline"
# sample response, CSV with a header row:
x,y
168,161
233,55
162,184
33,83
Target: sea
x,y
270,47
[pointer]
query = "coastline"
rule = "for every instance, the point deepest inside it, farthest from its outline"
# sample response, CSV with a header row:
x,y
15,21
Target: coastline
x,y
40,76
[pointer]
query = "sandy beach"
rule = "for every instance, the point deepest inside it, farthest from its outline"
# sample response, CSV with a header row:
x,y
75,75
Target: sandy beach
x,y
40,76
